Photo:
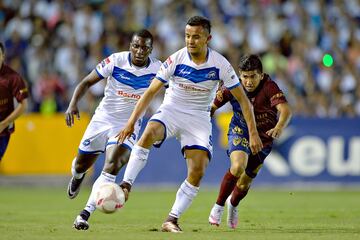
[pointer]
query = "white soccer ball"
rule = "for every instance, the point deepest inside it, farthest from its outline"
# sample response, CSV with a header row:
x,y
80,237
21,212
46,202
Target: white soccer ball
x,y
109,197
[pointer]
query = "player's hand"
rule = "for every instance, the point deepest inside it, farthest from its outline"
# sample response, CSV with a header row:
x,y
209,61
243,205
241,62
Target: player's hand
x,y
274,132
255,143
125,133
69,115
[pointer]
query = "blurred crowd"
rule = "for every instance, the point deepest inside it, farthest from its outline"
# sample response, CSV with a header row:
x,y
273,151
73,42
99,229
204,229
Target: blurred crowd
x,y
55,43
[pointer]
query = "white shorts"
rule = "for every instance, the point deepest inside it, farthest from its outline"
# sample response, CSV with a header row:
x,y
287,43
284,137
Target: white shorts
x,y
192,129
100,134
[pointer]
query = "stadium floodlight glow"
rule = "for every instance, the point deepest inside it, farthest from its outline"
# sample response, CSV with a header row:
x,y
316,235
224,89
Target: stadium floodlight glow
x,y
328,60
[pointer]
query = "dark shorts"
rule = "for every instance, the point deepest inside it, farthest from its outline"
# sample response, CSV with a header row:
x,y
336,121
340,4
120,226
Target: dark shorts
x,y
4,141
255,161
238,137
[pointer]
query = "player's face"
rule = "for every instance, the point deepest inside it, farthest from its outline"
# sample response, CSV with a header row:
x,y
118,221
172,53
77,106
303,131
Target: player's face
x,y
140,49
250,79
196,39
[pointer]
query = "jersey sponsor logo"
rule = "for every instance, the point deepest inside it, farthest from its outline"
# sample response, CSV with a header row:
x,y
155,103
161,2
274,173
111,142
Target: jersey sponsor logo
x,y
197,75
86,142
124,77
184,72
192,88
136,82
129,95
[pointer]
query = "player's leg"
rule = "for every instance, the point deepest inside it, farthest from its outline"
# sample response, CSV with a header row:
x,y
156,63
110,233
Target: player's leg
x,y
80,165
116,158
243,185
197,161
154,131
91,145
238,160
4,141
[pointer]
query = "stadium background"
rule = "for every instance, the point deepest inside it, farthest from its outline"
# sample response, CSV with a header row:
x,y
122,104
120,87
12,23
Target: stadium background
x,y
310,48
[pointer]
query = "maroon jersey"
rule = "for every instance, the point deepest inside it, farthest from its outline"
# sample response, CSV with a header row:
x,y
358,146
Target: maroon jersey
x,y
11,86
264,99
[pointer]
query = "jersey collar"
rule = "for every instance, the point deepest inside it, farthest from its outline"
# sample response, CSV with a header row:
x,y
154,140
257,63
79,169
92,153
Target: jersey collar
x,y
130,63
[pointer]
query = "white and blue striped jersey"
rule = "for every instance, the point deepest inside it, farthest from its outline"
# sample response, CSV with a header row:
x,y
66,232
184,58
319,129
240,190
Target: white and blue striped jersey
x,y
125,85
192,86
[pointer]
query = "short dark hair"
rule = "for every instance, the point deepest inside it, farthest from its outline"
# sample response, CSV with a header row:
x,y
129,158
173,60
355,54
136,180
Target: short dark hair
x,y
144,33
2,47
200,21
250,62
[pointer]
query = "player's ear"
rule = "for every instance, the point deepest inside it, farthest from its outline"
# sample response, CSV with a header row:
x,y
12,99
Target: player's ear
x,y
209,38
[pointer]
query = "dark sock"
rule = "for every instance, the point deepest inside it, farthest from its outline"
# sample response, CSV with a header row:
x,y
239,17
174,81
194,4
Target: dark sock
x,y
126,186
85,215
171,219
227,186
237,195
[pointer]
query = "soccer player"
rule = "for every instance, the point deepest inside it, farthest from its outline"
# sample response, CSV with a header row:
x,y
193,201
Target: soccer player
x,y
128,74
268,102
193,74
11,86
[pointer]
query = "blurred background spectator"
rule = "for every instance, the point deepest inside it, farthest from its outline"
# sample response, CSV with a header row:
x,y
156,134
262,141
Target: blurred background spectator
x,y
55,43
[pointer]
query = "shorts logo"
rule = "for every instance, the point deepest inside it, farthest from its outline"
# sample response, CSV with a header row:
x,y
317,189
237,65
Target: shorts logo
x,y
236,141
86,142
243,141
237,130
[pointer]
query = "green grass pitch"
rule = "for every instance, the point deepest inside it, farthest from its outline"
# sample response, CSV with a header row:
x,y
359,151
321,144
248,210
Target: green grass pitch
x,y
47,213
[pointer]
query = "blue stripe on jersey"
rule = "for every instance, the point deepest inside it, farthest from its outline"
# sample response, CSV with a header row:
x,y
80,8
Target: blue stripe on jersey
x,y
232,87
195,75
161,79
101,76
131,79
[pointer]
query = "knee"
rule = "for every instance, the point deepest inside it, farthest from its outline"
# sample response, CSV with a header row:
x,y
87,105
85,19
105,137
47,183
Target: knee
x,y
148,137
237,169
243,187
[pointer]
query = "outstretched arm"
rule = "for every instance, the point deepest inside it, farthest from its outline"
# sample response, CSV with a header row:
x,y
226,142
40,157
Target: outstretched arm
x,y
20,109
255,141
140,108
284,119
80,90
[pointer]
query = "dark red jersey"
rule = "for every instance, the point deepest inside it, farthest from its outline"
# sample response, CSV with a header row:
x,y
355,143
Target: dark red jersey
x,y
11,86
264,99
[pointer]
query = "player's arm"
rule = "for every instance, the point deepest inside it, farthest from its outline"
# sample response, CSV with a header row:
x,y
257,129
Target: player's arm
x,y
222,97
140,108
255,141
284,119
20,109
80,90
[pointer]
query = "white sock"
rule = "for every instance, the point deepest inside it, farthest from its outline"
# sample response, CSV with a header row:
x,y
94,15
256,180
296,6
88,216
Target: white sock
x,y
103,178
137,162
74,172
184,197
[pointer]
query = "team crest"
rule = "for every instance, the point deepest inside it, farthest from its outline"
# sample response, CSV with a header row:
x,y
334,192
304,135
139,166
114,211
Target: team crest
x,y
237,130
86,142
236,141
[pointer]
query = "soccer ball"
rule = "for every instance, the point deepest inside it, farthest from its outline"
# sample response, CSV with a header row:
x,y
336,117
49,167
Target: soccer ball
x,y
109,197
